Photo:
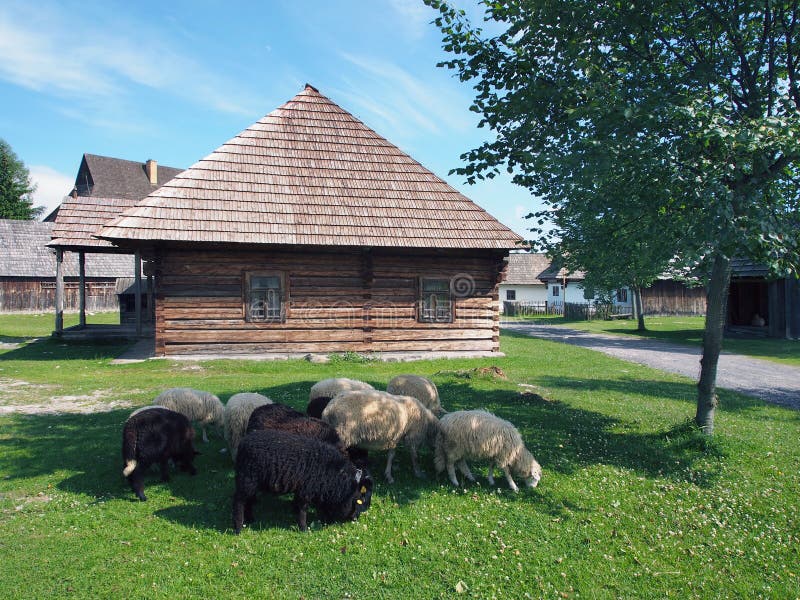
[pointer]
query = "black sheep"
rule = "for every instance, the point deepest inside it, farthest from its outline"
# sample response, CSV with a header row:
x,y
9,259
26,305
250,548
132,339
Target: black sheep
x,y
316,406
316,473
285,418
156,435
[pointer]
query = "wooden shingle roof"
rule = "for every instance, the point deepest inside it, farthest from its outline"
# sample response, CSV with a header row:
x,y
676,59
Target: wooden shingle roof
x,y
79,218
24,253
524,268
555,272
310,173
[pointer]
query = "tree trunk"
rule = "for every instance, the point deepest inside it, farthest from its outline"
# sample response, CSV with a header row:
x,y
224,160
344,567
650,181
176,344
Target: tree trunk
x,y
637,309
716,316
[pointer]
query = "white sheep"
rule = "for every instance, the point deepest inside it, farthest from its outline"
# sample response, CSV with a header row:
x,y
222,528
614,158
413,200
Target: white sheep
x,y
374,420
323,391
481,435
421,388
202,407
237,414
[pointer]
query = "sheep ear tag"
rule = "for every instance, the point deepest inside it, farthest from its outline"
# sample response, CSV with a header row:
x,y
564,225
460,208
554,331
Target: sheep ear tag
x,y
358,476
363,489
359,501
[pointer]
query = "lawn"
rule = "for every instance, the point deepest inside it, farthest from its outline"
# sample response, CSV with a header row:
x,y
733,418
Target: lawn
x,y
632,502
19,326
688,330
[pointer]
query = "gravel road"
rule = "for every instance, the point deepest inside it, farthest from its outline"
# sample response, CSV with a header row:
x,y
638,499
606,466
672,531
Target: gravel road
x,y
769,381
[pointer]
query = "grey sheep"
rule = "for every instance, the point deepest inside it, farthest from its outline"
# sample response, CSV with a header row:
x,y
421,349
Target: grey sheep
x,y
196,405
374,420
421,388
237,414
478,434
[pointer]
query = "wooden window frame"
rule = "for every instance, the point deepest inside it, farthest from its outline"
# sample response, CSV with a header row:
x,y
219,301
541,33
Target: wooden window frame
x,y
422,317
247,292
622,296
511,295
556,291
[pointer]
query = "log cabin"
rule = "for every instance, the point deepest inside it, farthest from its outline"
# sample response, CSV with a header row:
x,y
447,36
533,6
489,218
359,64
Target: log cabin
x,y
309,233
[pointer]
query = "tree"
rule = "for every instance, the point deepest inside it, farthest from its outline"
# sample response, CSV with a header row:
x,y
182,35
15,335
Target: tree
x,y
673,125
16,187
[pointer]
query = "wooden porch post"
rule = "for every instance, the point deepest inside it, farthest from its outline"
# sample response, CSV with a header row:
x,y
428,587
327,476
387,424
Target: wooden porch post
x,y
137,271
82,287
59,292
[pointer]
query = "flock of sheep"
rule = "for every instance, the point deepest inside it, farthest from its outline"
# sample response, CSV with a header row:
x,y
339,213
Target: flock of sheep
x,y
321,456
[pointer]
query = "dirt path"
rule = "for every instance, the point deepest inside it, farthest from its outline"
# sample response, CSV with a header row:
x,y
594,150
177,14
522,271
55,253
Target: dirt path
x,y
771,382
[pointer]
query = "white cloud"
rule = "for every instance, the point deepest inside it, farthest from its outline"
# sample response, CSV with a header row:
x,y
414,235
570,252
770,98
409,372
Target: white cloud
x,y
40,50
403,102
415,16
51,187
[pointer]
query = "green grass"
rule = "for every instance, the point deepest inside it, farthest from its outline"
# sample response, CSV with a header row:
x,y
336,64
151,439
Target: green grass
x,y
21,326
689,330
633,502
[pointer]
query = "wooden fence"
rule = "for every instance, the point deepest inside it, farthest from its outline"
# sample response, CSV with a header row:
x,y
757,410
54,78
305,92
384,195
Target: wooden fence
x,y
520,308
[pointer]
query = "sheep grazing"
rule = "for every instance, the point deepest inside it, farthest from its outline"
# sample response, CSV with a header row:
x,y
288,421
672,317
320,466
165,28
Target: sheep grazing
x,y
202,407
285,418
316,473
323,392
481,435
236,415
154,436
421,388
373,420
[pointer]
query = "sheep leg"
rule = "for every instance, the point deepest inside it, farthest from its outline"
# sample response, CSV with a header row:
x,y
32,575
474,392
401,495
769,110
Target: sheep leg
x,y
490,473
248,509
205,436
415,465
464,468
301,510
238,514
510,481
136,479
164,465
451,473
388,471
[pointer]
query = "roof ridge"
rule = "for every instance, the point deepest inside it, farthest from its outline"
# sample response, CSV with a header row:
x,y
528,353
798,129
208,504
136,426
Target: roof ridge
x,y
293,152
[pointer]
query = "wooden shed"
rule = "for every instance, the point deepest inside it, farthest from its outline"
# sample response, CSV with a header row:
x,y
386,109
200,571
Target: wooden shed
x,y
28,272
310,233
104,187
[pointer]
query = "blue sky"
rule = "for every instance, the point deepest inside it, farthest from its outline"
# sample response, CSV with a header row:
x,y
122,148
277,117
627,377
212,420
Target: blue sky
x,y
174,80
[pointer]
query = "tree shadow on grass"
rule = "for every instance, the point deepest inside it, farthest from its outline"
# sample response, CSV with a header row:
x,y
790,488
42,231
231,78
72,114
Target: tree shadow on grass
x,y
48,349
563,438
567,439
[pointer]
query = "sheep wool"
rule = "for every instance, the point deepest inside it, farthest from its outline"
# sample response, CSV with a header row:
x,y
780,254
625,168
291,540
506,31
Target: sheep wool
x,y
237,414
279,462
323,392
154,436
285,418
421,388
202,407
477,434
374,420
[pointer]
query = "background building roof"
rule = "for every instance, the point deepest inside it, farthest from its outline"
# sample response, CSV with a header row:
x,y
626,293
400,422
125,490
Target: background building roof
x,y
24,253
109,177
524,268
309,173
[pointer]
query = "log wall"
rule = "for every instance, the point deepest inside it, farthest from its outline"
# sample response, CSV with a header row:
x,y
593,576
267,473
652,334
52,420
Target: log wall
x,y
37,295
667,297
358,301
